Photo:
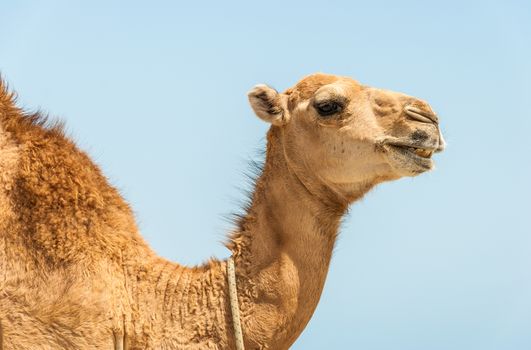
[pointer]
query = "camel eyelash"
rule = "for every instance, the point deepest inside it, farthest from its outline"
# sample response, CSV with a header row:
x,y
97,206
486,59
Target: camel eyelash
x,y
330,107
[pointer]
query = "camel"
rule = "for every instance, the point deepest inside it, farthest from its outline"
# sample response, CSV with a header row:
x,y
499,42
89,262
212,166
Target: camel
x,y
75,272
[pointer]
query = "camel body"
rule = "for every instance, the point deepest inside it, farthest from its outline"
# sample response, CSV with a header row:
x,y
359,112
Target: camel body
x,y
75,272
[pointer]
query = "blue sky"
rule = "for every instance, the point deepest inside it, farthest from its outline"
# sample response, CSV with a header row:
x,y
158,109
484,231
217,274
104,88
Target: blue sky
x,y
156,93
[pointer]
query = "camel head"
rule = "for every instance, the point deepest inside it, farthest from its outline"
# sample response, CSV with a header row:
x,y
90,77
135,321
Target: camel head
x,y
341,133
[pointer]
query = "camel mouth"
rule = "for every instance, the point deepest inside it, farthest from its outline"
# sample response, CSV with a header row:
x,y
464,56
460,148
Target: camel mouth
x,y
415,151
410,158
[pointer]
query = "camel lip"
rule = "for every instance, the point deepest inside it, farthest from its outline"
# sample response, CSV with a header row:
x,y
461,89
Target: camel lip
x,y
409,144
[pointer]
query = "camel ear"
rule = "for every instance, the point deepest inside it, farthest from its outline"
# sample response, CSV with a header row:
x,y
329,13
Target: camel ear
x,y
269,105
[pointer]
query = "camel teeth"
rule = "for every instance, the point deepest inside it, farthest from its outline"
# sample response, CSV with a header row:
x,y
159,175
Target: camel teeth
x,y
423,152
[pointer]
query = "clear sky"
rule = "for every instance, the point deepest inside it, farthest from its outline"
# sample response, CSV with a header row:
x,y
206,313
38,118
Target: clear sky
x,y
156,93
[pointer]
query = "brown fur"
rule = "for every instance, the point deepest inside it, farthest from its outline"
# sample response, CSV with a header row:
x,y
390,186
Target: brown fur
x,y
75,272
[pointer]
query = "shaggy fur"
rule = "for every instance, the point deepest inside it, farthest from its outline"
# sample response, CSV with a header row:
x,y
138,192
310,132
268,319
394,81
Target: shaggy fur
x,y
76,274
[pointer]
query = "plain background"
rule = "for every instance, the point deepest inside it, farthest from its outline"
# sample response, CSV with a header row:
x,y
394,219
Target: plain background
x,y
156,93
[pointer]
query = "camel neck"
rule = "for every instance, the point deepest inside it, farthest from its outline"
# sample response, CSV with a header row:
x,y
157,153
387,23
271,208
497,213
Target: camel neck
x,y
283,250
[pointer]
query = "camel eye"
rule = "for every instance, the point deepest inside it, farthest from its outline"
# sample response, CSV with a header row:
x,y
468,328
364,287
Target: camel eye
x,y
328,108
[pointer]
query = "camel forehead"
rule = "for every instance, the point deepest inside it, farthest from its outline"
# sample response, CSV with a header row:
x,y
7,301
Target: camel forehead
x,y
307,87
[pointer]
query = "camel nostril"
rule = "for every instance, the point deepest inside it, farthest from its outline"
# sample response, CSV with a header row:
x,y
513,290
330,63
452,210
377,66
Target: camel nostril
x,y
421,115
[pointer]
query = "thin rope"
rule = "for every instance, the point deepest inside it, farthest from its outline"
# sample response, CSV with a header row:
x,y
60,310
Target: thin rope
x,y
234,305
